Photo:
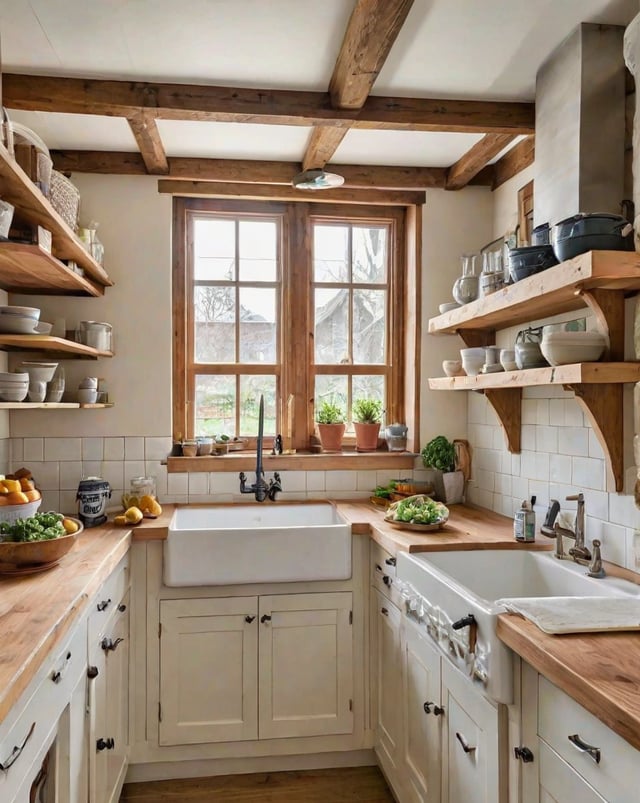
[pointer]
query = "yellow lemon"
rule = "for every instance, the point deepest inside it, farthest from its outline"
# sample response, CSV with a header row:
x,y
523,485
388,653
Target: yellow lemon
x,y
119,520
133,515
70,526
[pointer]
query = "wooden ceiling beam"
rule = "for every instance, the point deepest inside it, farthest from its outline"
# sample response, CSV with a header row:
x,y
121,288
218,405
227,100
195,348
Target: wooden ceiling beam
x,y
265,106
514,161
323,143
145,130
373,28
343,194
251,171
472,162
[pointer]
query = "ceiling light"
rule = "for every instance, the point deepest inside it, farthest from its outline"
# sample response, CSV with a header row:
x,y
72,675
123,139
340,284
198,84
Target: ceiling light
x,y
317,180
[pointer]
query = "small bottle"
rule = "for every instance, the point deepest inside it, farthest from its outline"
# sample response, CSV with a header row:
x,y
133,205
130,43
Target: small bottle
x,y
524,523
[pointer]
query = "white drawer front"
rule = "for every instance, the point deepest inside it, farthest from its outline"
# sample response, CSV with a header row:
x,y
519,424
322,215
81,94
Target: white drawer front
x,y
383,574
617,775
110,596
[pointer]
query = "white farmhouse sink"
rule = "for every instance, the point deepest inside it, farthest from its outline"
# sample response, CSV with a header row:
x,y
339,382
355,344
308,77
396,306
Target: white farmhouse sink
x,y
256,543
456,583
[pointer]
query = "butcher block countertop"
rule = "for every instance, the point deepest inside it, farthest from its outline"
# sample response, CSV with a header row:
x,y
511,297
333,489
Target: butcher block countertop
x,y
601,671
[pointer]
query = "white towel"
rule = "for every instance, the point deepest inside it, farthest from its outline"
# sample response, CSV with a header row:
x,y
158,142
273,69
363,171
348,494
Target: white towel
x,y
577,614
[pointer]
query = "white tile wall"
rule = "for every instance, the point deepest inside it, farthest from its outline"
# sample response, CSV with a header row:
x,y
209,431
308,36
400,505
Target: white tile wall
x,y
560,457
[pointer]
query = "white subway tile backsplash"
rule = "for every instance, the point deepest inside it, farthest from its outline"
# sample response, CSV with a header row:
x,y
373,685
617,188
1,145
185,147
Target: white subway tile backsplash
x,y
316,479
50,500
294,482
113,472
220,482
573,441
366,481
540,490
587,472
62,449
198,483
342,481
597,504
157,448
542,412
612,538
91,468
503,483
177,484
113,449
17,451
477,409
133,468
529,411
93,449
46,476
595,450
546,439
154,468
559,467
68,503
573,415
33,450
70,475
556,412
520,488
485,480
528,437
622,510
133,448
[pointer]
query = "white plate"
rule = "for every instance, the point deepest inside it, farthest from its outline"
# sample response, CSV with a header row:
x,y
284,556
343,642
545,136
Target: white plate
x,y
17,325
25,312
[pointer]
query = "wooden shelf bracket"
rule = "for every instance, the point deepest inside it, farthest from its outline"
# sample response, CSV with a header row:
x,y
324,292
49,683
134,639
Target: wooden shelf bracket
x,y
608,308
602,404
507,402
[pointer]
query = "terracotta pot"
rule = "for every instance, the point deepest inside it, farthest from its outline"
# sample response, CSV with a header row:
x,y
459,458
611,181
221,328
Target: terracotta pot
x,y
366,436
331,437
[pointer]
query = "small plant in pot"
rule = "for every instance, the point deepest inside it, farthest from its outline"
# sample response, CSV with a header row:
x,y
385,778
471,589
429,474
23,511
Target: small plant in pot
x,y
367,415
440,456
330,420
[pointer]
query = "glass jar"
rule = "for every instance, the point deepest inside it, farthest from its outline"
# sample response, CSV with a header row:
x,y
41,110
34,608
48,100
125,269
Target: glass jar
x,y
465,288
396,437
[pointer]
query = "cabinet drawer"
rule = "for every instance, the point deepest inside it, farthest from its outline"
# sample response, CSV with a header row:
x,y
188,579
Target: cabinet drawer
x,y
383,574
22,739
107,600
560,717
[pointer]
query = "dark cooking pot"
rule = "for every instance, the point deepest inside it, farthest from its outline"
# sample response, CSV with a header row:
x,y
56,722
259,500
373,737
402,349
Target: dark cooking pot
x,y
531,259
591,232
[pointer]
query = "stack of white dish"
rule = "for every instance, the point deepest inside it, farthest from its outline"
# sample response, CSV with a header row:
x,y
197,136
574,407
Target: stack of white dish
x,y
13,387
565,348
19,320
39,371
472,360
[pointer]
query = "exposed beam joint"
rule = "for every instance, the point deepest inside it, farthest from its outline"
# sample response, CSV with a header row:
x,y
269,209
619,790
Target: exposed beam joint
x,y
145,130
371,32
472,162
273,192
265,106
251,171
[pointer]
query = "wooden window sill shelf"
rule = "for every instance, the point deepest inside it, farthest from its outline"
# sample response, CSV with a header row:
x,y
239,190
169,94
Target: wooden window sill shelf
x,y
301,461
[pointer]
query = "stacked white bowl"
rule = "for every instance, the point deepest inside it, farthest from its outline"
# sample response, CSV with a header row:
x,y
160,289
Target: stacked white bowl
x,y
19,320
565,348
13,387
472,360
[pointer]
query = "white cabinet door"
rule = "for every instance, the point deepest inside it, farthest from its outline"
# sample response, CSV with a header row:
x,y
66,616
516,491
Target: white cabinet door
x,y
109,707
78,743
422,717
306,665
472,761
208,670
560,783
386,674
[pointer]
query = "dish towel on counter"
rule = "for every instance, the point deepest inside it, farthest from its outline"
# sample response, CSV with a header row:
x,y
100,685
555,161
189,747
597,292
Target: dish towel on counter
x,y
577,614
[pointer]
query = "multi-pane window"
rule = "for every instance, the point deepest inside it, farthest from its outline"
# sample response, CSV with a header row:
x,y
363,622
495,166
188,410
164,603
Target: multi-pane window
x,y
299,304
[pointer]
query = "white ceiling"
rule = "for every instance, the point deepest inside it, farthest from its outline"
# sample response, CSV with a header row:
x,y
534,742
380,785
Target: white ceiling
x,y
480,49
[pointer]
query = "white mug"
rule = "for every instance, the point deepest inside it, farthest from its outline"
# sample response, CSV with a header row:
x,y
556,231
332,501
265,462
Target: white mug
x,y
37,391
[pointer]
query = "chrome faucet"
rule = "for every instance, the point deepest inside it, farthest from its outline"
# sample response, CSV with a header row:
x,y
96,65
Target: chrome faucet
x,y
261,489
580,553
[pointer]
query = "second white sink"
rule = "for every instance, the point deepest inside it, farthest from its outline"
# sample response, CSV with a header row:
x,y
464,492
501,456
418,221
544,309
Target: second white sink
x,y
256,543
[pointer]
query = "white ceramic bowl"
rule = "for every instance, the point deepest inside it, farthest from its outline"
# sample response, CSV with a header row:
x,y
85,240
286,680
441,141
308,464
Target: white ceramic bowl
x,y
89,383
452,367
43,328
13,393
39,371
448,306
24,312
7,377
17,325
565,348
472,360
87,395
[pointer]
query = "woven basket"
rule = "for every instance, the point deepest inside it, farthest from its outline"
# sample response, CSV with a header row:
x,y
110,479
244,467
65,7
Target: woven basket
x,y
65,198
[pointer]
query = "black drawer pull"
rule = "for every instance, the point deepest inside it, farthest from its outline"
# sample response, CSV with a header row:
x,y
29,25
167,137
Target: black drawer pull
x,y
390,561
437,710
103,605
386,580
105,744
248,619
15,753
92,672
265,618
110,646
384,611
122,608
56,676
524,754
583,747
465,744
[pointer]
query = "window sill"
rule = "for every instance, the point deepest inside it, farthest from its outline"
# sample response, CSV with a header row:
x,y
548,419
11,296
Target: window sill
x,y
301,461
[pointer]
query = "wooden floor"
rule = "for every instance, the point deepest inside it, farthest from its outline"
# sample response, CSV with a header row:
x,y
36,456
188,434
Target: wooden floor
x,y
351,785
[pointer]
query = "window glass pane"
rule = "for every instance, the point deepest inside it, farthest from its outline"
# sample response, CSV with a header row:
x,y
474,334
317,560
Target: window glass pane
x,y
257,325
214,323
331,315
330,253
250,389
369,254
368,326
258,250
368,387
214,248
215,405
332,389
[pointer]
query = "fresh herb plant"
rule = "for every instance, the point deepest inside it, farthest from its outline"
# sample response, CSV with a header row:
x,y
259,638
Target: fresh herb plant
x,y
439,453
329,413
367,411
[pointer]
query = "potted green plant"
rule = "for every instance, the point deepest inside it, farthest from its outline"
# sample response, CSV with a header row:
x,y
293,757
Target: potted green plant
x,y
330,421
367,415
440,456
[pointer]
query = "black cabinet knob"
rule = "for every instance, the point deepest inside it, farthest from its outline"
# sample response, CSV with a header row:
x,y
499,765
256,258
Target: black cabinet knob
x,y
249,619
92,672
265,618
524,754
105,744
103,604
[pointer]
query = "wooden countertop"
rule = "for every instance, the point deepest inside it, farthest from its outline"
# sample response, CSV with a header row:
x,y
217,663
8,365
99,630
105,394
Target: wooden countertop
x,y
37,610
601,671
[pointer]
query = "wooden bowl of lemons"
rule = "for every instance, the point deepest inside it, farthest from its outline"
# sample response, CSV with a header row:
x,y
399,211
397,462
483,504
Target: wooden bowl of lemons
x,y
37,552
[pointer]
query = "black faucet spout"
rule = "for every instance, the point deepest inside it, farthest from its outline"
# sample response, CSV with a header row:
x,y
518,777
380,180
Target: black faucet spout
x,y
260,488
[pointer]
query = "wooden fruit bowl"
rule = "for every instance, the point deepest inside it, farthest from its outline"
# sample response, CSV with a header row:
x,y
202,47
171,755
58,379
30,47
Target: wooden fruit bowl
x,y
33,553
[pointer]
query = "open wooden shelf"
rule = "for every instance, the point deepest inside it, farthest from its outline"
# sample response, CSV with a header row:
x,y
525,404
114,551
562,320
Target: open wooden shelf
x,y
27,405
599,280
53,346
32,207
29,268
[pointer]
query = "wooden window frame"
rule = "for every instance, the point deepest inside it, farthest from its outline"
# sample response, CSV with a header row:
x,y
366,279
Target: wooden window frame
x,y
295,382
